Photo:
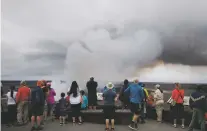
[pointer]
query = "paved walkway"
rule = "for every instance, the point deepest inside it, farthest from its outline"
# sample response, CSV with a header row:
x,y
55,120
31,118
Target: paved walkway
x,y
54,126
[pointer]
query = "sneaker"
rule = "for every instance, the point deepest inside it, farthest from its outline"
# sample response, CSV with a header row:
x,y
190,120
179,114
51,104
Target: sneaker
x,y
183,126
42,123
19,124
26,122
142,122
80,123
112,129
190,129
132,126
33,128
8,125
174,125
61,124
39,128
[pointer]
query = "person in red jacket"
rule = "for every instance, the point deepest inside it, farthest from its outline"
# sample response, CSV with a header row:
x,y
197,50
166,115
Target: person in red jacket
x,y
178,107
22,98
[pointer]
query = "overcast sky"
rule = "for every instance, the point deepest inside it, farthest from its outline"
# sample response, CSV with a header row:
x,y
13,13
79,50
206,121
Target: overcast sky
x,y
107,39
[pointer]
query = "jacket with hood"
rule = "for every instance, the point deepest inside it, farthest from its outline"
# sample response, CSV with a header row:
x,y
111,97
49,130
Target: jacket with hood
x,y
158,97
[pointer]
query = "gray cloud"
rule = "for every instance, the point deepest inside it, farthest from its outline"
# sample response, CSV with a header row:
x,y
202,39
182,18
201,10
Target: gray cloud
x,y
186,46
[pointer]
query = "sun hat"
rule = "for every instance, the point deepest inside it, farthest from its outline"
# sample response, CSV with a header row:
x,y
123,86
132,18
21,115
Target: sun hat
x,y
157,86
136,81
110,85
23,82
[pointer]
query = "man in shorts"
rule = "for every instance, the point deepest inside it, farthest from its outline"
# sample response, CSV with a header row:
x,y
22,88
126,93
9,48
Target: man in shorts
x,y
109,105
37,102
42,85
136,97
22,100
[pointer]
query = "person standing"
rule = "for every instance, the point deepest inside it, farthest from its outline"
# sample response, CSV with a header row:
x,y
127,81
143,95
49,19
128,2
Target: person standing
x,y
42,85
177,105
124,97
109,106
136,97
12,108
4,106
143,104
84,104
37,102
62,103
159,102
198,104
22,98
75,100
51,100
92,93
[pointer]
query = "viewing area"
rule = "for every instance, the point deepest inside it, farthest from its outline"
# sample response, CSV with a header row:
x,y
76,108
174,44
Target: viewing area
x,y
123,116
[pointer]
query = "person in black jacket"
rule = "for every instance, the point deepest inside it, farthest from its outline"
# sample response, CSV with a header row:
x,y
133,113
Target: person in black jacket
x,y
92,93
37,102
198,104
124,97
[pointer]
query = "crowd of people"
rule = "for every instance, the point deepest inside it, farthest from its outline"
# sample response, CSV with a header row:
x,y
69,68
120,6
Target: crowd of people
x,y
135,96
23,102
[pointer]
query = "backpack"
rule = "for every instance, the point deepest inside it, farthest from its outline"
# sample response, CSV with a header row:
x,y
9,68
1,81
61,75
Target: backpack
x,y
36,100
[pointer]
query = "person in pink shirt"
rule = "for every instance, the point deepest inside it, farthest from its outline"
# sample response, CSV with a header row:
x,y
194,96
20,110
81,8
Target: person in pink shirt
x,y
51,100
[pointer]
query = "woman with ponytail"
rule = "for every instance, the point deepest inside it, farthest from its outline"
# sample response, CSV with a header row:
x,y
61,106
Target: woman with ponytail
x,y
12,112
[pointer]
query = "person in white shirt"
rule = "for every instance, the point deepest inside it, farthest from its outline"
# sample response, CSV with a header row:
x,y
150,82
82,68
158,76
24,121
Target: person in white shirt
x,y
12,109
75,100
159,102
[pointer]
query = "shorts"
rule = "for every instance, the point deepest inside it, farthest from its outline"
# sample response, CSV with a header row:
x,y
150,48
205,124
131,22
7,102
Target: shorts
x,y
92,101
50,107
45,108
109,111
63,112
37,110
135,108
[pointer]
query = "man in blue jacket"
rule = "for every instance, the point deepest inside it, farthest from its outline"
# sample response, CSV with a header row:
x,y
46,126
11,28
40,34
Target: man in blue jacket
x,y
198,104
136,97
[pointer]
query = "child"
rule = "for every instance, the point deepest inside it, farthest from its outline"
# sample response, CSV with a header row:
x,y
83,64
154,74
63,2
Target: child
x,y
62,103
84,104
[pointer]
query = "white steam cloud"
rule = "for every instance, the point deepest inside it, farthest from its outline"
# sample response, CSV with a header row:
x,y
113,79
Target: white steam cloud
x,y
108,39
